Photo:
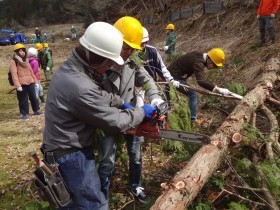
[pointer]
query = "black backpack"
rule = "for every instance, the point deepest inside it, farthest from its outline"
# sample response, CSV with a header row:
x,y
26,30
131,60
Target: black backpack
x,y
10,78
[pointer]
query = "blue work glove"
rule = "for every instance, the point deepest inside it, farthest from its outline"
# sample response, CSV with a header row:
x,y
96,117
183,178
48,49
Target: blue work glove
x,y
149,111
126,105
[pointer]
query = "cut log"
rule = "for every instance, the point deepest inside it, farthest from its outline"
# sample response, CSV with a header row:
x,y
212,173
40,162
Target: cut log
x,y
208,158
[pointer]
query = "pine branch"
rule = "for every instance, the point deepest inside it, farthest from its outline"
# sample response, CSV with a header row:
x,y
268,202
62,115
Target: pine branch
x,y
269,198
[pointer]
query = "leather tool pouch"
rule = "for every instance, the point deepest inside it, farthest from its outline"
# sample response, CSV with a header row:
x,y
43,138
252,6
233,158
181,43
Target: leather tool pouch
x,y
52,188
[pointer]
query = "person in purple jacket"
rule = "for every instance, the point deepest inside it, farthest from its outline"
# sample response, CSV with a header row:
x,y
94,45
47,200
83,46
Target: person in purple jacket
x,y
34,63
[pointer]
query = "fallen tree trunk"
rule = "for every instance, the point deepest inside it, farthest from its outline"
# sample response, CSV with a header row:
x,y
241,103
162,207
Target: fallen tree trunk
x,y
188,182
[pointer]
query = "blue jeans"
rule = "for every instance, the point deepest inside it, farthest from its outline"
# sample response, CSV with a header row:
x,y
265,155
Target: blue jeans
x,y
191,94
107,161
266,22
80,175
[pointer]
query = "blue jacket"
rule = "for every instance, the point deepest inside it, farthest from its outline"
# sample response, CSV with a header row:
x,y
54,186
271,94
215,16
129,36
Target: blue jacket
x,y
154,64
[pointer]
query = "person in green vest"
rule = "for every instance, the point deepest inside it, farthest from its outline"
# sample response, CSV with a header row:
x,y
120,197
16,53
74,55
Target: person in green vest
x,y
170,42
49,61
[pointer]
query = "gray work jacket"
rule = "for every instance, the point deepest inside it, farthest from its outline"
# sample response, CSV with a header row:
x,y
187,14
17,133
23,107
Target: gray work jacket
x,y
124,82
76,105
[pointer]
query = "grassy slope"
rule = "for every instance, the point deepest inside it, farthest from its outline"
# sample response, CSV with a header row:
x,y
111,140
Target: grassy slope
x,y
17,140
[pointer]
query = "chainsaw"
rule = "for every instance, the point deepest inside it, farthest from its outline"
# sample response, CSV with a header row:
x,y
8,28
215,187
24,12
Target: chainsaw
x,y
157,128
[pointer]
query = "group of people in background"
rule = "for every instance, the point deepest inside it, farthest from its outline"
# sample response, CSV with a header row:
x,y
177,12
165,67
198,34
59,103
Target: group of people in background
x,y
25,81
25,69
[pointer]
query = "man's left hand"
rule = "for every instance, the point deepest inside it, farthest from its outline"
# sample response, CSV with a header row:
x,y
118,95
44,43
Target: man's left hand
x,y
126,105
175,83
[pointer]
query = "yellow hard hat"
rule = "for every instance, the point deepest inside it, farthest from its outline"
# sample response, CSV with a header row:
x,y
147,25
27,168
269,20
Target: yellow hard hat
x,y
39,46
46,45
19,46
217,55
131,30
170,26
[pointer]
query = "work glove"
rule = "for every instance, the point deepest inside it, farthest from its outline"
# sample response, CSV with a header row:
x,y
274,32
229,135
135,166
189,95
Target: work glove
x,y
165,48
48,68
126,105
156,101
149,110
175,83
37,86
258,16
19,89
140,98
223,91
272,15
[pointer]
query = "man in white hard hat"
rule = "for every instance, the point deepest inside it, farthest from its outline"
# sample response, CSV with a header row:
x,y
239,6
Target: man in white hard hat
x,y
77,105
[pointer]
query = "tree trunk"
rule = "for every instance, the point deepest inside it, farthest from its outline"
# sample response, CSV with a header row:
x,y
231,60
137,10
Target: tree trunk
x,y
188,182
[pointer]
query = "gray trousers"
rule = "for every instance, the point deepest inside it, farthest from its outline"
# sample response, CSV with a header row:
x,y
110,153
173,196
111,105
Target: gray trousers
x,y
266,23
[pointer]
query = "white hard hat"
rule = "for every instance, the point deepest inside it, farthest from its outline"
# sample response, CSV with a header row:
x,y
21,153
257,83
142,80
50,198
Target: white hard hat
x,y
32,52
145,35
105,40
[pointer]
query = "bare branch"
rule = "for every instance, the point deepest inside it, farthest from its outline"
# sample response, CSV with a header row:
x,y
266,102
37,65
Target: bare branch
x,y
202,91
274,133
274,101
245,199
247,188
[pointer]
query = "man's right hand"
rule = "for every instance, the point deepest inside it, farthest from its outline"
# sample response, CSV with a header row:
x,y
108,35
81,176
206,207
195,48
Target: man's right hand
x,y
223,91
149,110
19,89
272,15
258,16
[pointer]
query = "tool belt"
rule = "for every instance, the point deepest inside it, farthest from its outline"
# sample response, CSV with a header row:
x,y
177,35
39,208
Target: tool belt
x,y
51,186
